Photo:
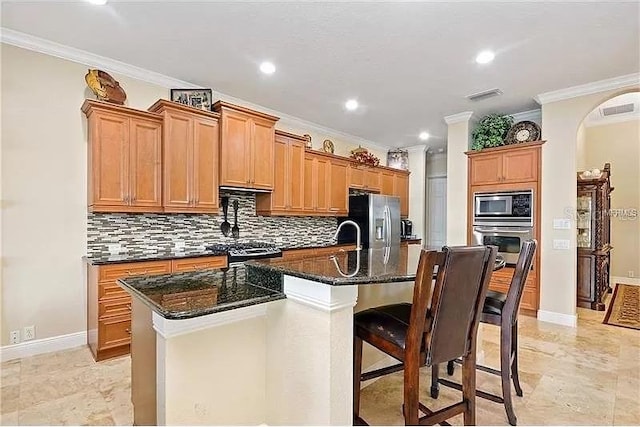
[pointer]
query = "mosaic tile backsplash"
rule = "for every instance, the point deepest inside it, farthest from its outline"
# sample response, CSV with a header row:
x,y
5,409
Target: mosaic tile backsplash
x,y
151,233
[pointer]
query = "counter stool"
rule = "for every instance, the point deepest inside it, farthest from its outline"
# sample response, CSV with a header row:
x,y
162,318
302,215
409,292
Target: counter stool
x,y
438,326
501,310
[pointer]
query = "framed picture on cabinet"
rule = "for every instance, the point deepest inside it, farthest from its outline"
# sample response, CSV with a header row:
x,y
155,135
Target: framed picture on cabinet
x,y
196,98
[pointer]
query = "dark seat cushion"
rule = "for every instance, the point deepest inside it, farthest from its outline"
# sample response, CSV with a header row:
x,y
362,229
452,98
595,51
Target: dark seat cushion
x,y
389,322
494,302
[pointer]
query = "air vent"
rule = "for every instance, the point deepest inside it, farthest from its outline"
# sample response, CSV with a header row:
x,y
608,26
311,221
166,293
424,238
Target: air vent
x,y
616,109
484,95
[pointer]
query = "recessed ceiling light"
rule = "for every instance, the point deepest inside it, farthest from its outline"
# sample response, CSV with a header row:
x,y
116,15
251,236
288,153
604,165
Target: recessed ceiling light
x,y
351,104
267,67
485,57
97,2
424,136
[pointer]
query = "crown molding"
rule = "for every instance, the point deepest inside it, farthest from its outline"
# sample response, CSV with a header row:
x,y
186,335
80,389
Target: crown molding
x,y
531,115
457,118
37,44
619,82
619,118
417,148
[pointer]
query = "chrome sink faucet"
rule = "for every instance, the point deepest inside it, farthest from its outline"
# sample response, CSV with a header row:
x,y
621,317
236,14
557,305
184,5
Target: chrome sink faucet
x,y
358,233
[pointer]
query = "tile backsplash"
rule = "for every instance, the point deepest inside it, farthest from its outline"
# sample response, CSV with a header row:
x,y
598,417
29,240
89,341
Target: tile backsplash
x,y
150,233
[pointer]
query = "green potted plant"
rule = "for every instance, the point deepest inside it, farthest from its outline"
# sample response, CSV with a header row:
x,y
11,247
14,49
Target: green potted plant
x,y
491,131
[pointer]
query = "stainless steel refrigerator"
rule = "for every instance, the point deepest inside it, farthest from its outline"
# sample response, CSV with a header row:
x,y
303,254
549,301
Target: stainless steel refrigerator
x,y
378,218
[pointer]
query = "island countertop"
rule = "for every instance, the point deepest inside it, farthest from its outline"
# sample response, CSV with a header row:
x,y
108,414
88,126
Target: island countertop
x,y
370,266
198,293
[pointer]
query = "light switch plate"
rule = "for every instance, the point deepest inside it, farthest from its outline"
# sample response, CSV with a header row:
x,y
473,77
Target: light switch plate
x,y
115,248
561,244
561,224
179,245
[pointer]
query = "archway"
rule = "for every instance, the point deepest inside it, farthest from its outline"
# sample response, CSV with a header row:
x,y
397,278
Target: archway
x,y
608,134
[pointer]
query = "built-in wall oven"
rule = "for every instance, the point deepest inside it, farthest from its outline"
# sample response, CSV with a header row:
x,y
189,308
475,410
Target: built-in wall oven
x,y
505,220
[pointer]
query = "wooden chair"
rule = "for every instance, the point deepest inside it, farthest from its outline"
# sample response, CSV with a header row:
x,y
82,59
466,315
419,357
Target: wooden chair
x,y
501,310
435,328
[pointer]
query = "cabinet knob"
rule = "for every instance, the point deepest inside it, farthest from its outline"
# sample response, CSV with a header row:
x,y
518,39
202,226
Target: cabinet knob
x,y
129,307
128,331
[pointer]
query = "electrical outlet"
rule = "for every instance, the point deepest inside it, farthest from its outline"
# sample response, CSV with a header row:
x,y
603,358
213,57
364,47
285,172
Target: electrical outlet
x,y
179,245
632,274
14,337
29,333
561,244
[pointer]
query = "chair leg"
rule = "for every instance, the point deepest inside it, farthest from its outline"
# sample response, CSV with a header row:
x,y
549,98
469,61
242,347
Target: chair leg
x,y
450,367
469,386
435,387
411,392
357,371
505,368
514,364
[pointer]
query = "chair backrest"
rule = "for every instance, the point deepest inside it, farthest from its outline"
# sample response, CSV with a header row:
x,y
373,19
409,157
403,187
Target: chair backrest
x,y
461,284
519,279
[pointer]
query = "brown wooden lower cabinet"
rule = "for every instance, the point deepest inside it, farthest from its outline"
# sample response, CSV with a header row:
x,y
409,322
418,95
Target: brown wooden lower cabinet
x,y
109,306
501,280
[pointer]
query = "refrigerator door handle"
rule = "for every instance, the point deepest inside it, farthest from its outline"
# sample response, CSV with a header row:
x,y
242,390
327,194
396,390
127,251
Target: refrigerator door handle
x,y
386,226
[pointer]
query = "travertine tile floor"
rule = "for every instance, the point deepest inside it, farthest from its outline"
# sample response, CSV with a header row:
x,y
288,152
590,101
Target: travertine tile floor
x,y
588,375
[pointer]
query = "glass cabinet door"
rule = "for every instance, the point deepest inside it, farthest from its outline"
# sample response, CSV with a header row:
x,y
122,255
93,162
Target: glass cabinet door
x,y
584,220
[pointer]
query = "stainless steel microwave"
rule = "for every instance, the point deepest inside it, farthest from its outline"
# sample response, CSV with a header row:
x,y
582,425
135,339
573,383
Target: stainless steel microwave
x,y
508,208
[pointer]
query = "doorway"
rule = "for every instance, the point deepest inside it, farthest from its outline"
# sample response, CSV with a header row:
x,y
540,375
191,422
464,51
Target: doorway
x,y
437,211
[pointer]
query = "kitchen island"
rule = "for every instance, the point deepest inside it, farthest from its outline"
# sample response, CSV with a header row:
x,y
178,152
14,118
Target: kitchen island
x,y
272,346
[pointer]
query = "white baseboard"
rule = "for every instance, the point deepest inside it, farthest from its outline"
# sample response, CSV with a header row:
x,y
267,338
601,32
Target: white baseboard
x,y
558,318
45,345
626,280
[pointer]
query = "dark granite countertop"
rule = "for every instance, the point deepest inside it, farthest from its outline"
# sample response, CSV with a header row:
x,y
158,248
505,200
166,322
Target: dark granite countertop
x,y
401,266
193,294
154,256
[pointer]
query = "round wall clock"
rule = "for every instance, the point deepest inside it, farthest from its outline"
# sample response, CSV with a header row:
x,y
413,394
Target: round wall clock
x,y
525,131
327,146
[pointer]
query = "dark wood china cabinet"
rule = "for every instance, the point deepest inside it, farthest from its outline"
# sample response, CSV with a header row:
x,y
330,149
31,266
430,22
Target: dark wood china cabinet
x,y
593,237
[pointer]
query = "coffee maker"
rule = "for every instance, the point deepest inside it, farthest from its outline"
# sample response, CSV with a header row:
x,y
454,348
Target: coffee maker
x,y
406,228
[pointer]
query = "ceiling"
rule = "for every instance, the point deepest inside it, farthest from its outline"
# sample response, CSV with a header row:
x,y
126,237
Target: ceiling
x,y
408,64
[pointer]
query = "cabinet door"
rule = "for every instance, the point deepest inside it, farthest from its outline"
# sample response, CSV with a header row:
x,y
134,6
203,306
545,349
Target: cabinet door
x,y
279,199
339,191
355,176
109,161
205,165
235,153
401,190
322,184
372,178
520,166
114,332
296,176
309,193
145,161
387,183
486,169
262,154
586,277
178,161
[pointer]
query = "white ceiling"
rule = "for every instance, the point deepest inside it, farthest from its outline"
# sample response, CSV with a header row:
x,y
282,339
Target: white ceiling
x,y
408,64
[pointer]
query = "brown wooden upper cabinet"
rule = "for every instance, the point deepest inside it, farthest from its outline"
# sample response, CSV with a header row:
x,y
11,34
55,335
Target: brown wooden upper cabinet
x,y
504,165
124,158
325,190
363,177
401,190
247,147
190,146
287,197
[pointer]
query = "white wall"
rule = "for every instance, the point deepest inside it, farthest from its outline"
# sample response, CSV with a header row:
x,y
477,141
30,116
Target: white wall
x,y
43,232
457,185
560,123
619,145
581,154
